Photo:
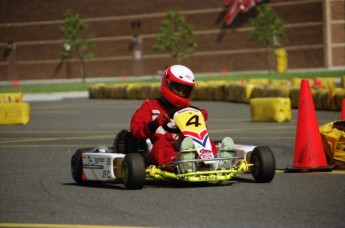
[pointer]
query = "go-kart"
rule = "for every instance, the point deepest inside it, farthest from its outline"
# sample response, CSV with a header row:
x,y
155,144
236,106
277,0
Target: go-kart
x,y
127,160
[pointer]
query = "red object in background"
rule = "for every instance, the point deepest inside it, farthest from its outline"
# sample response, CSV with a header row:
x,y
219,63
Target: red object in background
x,y
236,6
224,72
317,83
15,84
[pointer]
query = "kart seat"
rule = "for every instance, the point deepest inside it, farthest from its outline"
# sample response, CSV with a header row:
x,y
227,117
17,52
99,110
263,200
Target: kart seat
x,y
125,143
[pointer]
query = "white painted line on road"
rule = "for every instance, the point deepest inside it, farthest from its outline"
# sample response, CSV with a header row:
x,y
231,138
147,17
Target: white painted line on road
x,y
33,225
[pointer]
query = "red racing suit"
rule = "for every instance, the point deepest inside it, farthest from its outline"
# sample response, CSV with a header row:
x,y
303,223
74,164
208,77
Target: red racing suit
x,y
163,150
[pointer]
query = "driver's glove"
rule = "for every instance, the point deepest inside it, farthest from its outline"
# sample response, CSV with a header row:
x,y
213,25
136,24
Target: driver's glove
x,y
204,113
161,120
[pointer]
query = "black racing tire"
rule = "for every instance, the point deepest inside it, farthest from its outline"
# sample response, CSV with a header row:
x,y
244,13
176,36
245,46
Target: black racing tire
x,y
264,164
77,165
133,171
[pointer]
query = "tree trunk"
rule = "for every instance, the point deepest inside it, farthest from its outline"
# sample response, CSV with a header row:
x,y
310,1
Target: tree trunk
x,y
270,59
82,67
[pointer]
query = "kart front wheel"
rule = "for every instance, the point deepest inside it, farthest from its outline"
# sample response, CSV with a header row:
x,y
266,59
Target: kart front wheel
x,y
133,171
264,164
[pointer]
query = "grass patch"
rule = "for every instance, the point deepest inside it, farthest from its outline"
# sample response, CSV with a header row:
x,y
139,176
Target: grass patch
x,y
288,76
46,88
70,87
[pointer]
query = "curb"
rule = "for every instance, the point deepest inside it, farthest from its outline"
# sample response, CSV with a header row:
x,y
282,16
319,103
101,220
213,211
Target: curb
x,y
58,96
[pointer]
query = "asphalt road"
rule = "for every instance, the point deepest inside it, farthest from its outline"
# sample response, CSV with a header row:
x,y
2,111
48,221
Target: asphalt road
x,y
36,186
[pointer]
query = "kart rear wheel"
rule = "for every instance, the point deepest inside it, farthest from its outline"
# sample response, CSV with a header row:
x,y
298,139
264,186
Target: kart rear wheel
x,y
264,164
133,171
77,166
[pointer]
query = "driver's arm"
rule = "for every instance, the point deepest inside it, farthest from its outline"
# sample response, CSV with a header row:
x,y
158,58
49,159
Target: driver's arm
x,y
145,123
139,123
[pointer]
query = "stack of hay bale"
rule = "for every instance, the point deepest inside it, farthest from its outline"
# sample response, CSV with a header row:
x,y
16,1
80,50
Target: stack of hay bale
x,y
325,94
13,110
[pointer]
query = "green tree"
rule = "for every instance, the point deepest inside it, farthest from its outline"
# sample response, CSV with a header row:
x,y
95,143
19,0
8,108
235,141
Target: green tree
x,y
268,31
74,42
176,37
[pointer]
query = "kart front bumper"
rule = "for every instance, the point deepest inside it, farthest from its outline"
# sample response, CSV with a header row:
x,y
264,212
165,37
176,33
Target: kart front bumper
x,y
155,173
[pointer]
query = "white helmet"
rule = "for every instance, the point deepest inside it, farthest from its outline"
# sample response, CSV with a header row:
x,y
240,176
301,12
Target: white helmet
x,y
177,85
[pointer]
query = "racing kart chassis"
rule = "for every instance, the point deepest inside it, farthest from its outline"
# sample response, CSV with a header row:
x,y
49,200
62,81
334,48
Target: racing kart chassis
x,y
127,161
131,170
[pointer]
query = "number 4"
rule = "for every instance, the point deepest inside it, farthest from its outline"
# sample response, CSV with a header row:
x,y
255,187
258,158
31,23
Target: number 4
x,y
193,120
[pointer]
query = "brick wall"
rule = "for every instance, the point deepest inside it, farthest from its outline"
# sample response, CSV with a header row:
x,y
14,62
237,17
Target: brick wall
x,y
34,27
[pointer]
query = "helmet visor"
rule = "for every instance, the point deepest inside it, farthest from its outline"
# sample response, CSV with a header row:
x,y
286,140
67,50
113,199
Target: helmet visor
x,y
180,89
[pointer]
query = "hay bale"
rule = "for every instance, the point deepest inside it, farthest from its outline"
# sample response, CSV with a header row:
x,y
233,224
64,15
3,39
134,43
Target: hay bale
x,y
132,91
11,98
154,92
296,82
120,91
336,97
324,83
108,91
97,90
258,81
115,91
277,91
270,109
258,91
204,91
14,113
294,97
211,90
321,98
143,91
238,92
279,82
217,90
342,81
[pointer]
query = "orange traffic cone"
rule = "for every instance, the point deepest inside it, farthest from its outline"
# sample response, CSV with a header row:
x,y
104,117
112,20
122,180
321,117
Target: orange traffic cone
x,y
309,154
224,72
15,83
342,116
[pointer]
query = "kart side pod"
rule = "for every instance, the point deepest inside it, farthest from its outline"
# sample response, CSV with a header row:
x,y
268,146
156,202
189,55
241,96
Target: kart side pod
x,y
94,165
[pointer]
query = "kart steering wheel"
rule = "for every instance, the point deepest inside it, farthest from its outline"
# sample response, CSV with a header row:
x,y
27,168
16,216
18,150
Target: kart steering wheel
x,y
171,130
171,115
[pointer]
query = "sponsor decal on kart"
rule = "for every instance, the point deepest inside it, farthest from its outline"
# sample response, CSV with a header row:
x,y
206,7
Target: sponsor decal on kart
x,y
206,154
208,178
97,167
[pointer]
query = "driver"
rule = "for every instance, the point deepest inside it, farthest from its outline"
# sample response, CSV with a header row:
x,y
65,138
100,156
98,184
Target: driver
x,y
176,87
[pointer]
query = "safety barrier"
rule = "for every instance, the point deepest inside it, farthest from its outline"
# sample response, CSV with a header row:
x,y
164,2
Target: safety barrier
x,y
13,110
270,109
14,113
11,98
326,95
